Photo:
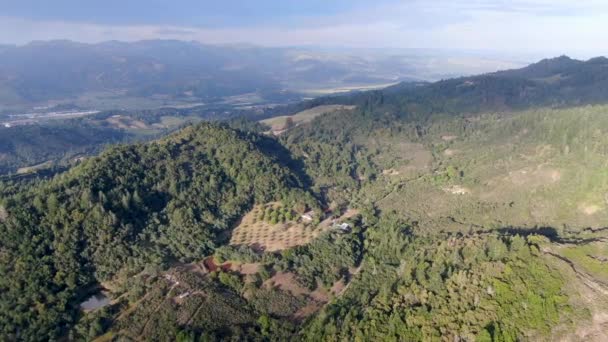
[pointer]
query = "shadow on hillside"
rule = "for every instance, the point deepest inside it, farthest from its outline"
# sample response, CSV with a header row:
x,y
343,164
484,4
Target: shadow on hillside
x,y
550,233
272,148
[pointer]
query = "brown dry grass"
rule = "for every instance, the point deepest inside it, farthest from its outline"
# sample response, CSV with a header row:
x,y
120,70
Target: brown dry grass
x,y
286,281
450,152
278,123
449,137
534,177
400,157
3,214
390,172
247,269
124,122
589,209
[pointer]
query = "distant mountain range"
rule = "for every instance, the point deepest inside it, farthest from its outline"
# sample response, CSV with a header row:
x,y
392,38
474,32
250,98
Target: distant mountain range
x,y
112,74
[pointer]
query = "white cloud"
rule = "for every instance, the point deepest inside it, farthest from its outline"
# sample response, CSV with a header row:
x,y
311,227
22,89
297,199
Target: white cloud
x,y
540,26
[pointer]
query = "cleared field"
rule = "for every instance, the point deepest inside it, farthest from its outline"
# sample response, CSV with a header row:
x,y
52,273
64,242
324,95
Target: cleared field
x,y
126,122
280,123
28,169
171,121
264,236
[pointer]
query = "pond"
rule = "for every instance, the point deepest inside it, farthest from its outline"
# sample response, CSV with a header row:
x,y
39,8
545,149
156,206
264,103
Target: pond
x,y
96,301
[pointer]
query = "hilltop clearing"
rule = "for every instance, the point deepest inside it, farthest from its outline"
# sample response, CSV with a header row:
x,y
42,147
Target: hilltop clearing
x,y
280,124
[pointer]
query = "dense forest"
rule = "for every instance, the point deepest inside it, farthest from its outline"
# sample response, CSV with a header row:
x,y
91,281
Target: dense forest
x,y
166,201
30,145
474,287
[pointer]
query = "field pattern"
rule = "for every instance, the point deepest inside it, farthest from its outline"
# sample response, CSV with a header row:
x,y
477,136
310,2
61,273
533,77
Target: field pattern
x,y
265,236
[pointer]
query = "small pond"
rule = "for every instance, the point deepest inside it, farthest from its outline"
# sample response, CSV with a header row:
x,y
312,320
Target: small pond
x,y
96,301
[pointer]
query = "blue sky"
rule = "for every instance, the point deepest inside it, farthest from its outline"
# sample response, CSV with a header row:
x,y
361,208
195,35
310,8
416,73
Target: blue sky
x,y
219,13
539,26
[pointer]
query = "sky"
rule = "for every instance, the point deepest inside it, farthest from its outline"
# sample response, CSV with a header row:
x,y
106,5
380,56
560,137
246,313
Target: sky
x,y
551,27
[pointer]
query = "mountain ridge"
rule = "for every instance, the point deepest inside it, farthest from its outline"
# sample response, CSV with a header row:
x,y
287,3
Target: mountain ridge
x,y
556,82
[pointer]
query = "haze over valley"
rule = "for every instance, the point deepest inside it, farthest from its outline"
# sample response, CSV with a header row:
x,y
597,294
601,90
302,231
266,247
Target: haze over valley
x,y
162,73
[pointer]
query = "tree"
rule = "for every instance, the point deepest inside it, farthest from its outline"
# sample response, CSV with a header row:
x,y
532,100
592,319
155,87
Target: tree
x,y
185,336
264,323
495,249
289,123
288,215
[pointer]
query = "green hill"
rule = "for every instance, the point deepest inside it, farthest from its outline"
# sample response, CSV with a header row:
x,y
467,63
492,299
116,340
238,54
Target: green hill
x,y
158,203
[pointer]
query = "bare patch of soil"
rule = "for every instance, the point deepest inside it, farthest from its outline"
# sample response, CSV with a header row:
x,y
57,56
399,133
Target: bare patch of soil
x,y
117,122
338,287
320,295
541,175
3,214
450,152
247,269
457,190
589,209
330,221
123,122
596,331
390,172
286,281
211,265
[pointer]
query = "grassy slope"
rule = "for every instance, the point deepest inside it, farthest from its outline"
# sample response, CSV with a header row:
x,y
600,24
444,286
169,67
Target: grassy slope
x,y
278,123
542,167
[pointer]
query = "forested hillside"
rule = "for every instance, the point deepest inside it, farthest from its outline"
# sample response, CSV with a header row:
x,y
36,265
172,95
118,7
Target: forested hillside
x,y
24,146
472,287
171,200
557,82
